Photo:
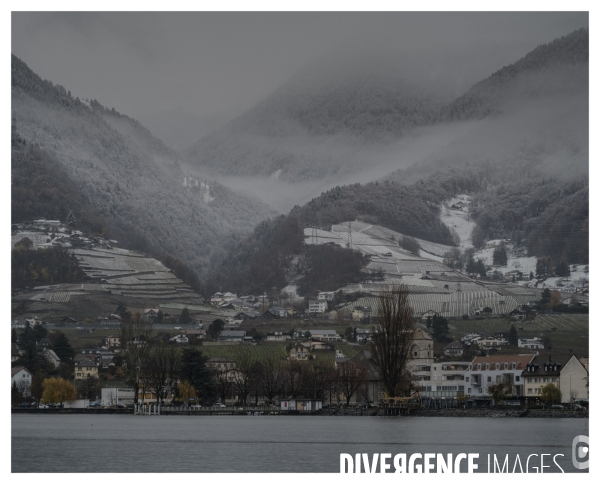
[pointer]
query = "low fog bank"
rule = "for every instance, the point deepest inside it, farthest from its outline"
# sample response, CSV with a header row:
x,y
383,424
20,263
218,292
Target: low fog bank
x,y
550,134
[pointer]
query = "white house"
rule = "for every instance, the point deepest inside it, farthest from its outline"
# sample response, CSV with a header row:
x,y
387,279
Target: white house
x,y
565,371
490,342
180,338
22,378
278,336
327,296
317,306
116,396
361,312
531,343
485,371
470,337
325,335
52,357
447,376
454,349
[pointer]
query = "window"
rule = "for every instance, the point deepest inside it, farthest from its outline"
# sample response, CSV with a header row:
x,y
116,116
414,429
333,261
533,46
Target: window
x,y
467,379
497,366
469,390
506,366
489,379
537,380
480,390
479,366
514,366
529,390
517,378
553,380
529,379
487,366
546,380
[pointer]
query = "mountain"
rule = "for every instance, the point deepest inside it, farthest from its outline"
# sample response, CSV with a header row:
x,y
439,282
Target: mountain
x,y
275,253
549,71
339,121
320,123
115,176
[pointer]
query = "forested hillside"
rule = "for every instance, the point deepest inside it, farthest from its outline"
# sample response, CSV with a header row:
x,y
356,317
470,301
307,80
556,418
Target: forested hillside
x,y
548,216
554,69
318,124
275,251
73,155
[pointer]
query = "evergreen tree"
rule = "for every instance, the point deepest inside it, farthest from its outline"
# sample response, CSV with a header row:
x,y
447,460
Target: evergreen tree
x,y
480,267
513,336
471,266
71,219
194,370
62,347
215,328
440,328
121,309
184,318
499,257
562,269
13,336
38,332
545,299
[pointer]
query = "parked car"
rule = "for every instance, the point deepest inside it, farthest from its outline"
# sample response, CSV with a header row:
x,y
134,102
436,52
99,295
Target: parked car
x,y
558,407
95,405
43,405
218,405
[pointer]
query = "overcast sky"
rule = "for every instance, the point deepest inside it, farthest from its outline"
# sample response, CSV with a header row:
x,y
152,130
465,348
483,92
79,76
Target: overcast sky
x,y
184,74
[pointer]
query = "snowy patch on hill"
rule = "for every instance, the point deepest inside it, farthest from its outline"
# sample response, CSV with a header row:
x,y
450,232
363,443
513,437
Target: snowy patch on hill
x,y
455,215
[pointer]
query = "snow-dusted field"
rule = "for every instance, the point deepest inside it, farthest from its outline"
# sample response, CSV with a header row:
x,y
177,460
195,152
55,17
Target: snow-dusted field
x,y
458,220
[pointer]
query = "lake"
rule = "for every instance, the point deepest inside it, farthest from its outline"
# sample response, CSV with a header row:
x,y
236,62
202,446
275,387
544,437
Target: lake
x,y
128,443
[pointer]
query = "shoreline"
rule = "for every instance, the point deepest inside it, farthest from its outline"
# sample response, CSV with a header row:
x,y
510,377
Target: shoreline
x,y
446,412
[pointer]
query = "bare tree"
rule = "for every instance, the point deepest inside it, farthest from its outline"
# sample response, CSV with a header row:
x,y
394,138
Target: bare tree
x,y
349,377
294,377
163,365
392,338
316,378
135,338
246,379
224,380
272,379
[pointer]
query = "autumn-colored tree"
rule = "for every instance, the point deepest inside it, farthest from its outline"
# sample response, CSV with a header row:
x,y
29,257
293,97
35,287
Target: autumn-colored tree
x,y
551,394
186,391
58,390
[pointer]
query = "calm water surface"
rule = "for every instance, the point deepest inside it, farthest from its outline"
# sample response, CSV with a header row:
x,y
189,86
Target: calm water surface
x,y
128,443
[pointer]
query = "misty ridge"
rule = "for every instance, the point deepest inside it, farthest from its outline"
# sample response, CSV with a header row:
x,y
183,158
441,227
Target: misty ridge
x,y
74,155
331,123
378,139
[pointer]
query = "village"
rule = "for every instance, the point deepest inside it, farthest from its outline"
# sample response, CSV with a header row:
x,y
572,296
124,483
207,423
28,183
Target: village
x,y
474,333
